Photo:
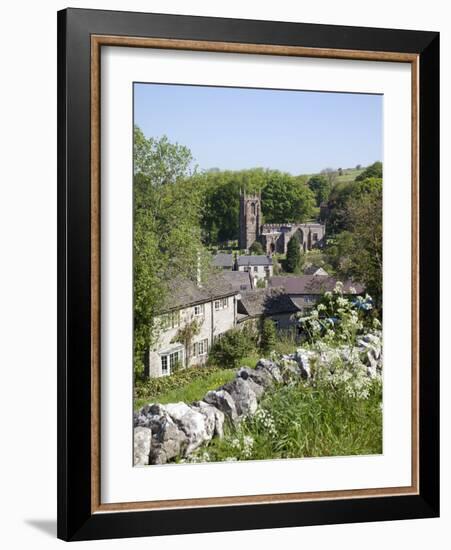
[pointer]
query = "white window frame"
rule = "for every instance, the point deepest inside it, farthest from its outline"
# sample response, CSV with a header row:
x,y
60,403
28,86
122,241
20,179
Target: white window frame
x,y
167,358
200,348
201,310
222,303
165,371
170,320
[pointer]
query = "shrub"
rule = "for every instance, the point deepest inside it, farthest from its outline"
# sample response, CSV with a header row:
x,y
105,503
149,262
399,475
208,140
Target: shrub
x,y
231,348
256,248
268,336
337,319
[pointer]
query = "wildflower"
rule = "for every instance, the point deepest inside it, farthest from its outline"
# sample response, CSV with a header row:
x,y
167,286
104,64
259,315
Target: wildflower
x,y
338,287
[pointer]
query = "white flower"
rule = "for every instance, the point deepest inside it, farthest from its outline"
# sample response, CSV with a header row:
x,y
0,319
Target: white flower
x,y
338,287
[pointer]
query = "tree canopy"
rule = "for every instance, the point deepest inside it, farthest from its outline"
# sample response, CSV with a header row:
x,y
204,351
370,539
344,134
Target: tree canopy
x,y
321,187
167,237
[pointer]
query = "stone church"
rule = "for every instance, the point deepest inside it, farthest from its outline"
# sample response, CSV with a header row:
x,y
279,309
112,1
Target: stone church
x,y
274,237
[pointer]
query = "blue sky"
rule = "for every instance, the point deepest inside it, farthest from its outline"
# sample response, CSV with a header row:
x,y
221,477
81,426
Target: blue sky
x,y
236,128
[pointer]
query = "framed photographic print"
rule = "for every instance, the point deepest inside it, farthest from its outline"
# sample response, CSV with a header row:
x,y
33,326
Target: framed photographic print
x,y
248,274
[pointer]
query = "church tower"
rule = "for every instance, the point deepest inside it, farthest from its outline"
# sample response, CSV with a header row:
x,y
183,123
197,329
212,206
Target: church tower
x,y
250,216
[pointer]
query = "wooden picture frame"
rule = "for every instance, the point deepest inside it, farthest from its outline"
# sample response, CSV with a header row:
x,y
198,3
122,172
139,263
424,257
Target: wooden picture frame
x,y
81,35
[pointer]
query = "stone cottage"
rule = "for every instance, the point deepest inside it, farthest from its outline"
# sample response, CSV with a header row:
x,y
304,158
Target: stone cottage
x,y
260,268
211,309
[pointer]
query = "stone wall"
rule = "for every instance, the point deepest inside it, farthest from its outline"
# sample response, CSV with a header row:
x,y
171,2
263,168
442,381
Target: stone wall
x,y
165,432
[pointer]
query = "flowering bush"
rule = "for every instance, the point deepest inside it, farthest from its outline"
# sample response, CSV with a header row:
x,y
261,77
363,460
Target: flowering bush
x,y
337,319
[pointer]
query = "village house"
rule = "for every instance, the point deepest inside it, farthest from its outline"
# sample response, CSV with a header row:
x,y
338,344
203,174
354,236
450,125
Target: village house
x,y
305,291
287,299
272,303
209,311
223,261
259,267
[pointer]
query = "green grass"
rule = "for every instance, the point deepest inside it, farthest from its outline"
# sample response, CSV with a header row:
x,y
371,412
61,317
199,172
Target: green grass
x,y
190,385
302,421
348,175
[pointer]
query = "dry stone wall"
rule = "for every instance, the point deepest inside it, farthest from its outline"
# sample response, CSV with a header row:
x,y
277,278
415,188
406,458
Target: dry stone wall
x,y
165,432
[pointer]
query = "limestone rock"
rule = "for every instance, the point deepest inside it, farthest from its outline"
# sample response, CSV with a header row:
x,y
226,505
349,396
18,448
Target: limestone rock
x,y
214,418
223,401
290,370
304,359
141,446
260,377
243,395
271,368
192,423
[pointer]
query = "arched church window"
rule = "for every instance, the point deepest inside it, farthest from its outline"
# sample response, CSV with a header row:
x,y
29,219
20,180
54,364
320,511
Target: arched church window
x,y
253,208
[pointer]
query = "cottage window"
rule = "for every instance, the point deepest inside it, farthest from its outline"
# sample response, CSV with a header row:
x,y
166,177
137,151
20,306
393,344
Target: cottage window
x,y
170,320
256,268
199,310
200,348
221,304
315,237
174,359
170,362
164,365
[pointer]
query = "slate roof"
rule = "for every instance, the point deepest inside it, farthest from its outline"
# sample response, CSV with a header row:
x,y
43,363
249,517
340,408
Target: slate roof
x,y
312,284
223,260
184,292
254,260
238,279
266,301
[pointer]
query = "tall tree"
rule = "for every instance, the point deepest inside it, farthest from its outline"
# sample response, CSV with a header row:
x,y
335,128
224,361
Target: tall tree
x,y
286,199
293,261
167,235
321,187
365,247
